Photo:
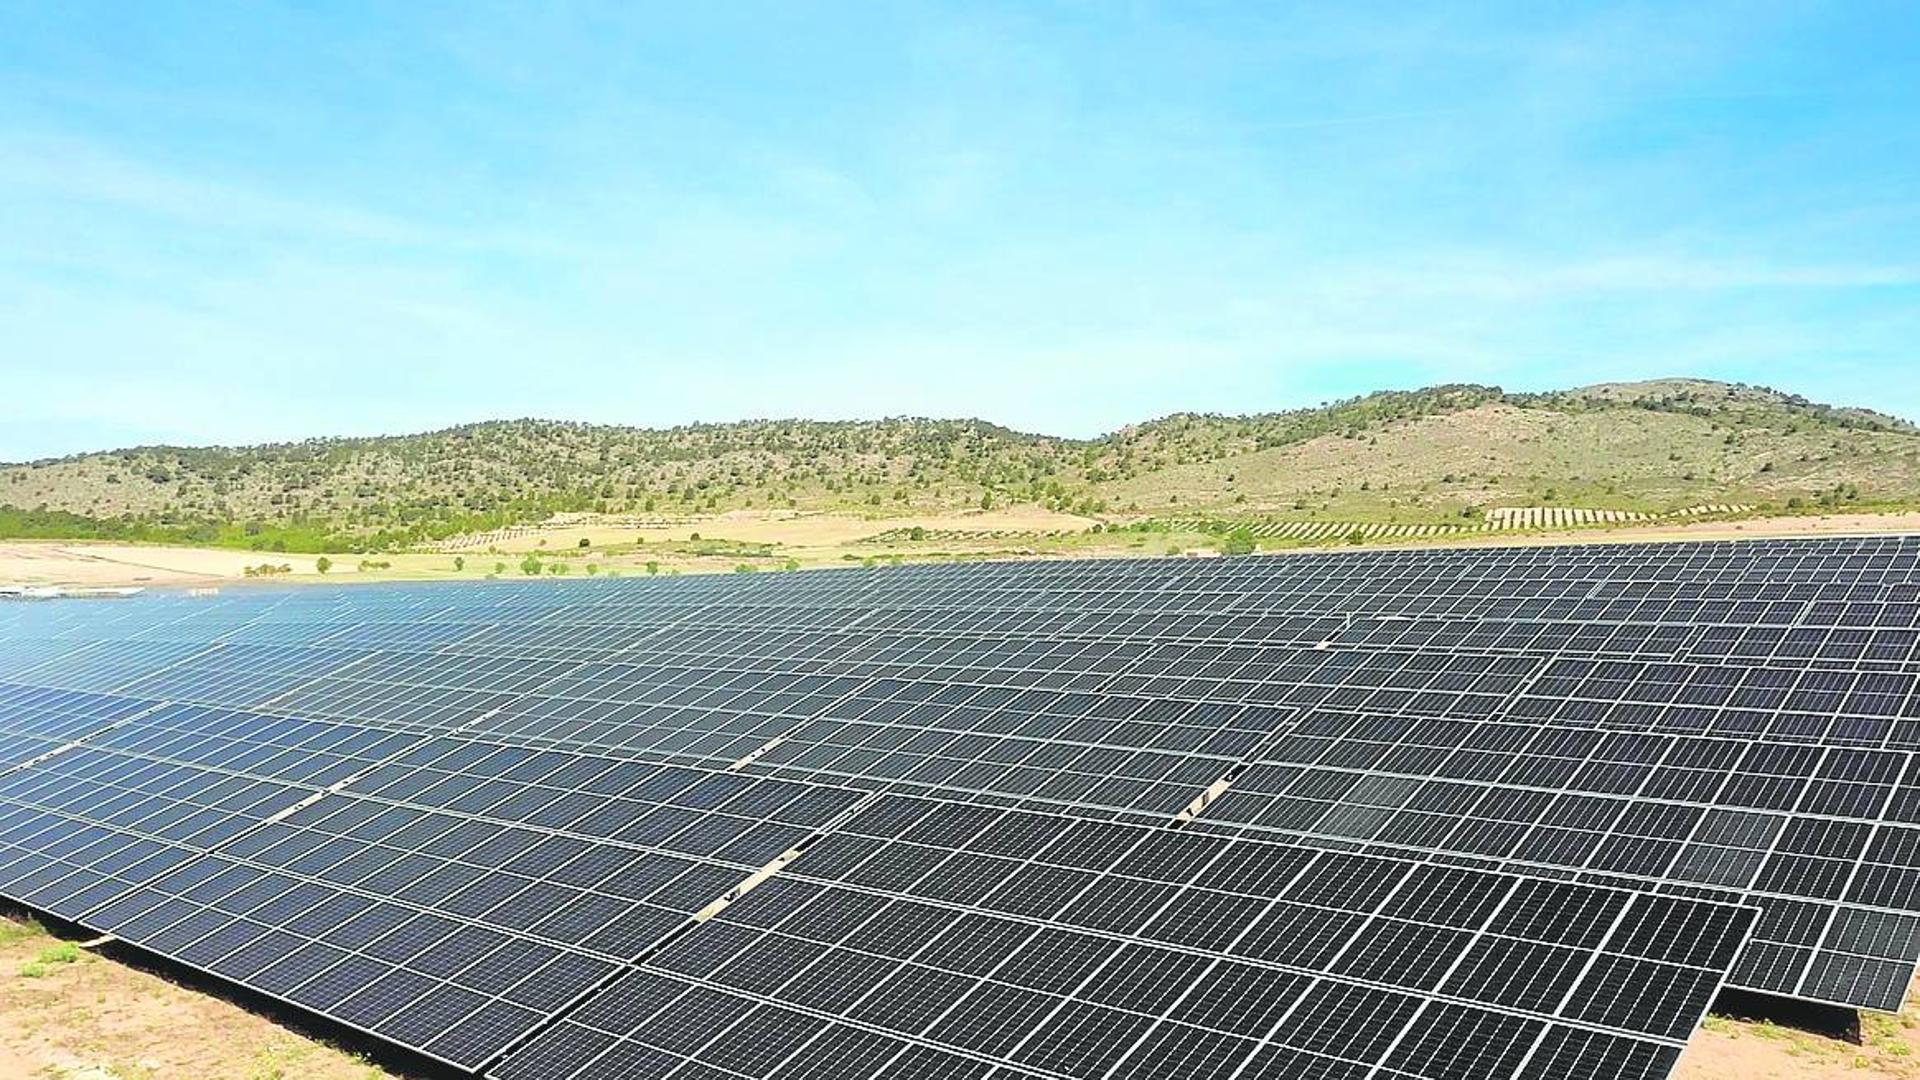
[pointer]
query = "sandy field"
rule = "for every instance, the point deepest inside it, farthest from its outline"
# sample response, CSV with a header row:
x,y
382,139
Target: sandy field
x,y
67,1014
1727,1049
69,563
797,530
802,539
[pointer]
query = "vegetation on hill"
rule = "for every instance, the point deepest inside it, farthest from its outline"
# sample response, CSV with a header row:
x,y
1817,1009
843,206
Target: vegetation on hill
x,y
1437,454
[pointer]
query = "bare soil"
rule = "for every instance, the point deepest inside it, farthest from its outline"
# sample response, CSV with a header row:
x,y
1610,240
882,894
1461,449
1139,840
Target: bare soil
x,y
74,563
67,1014
805,539
1726,1049
791,529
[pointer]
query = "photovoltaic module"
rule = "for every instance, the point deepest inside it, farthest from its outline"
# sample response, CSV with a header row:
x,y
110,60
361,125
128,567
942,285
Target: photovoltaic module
x,y
1452,813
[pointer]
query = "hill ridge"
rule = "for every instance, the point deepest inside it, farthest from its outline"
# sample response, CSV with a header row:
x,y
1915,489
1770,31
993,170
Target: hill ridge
x,y
1431,454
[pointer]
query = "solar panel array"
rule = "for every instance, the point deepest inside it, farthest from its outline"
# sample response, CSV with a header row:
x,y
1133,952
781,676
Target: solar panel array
x,y
1439,814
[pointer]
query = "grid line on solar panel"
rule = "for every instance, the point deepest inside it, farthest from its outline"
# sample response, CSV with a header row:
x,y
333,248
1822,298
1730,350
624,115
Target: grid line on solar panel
x,y
914,946
451,990
37,721
123,914
1598,589
516,979
1677,835
205,766
585,794
1119,875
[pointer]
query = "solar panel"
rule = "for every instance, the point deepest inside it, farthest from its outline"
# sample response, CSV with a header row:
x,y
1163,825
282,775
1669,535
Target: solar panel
x,y
1046,946
1323,815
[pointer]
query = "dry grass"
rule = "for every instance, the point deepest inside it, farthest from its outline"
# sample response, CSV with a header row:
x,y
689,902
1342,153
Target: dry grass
x,y
777,540
1495,455
1728,1049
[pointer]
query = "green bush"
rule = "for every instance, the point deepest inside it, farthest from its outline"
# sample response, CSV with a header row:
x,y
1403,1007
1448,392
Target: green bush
x,y
1239,541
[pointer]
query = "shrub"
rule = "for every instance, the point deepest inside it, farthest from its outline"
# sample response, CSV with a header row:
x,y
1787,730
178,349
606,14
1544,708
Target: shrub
x,y
1240,541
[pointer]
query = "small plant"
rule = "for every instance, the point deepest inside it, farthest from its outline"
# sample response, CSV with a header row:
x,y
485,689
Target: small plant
x,y
459,563
18,929
53,956
322,564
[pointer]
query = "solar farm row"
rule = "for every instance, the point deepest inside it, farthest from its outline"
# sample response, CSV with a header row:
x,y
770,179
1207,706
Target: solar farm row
x,y
1516,812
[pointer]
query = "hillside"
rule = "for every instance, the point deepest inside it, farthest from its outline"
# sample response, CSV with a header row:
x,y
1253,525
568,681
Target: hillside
x,y
1442,454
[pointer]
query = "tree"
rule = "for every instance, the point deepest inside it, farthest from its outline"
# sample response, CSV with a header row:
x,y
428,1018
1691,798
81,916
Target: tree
x,y
499,568
530,566
652,568
323,564
459,563
584,542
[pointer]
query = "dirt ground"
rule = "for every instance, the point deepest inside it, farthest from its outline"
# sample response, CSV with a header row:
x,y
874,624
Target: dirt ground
x,y
789,528
768,540
67,1014
1727,1049
1747,529
67,563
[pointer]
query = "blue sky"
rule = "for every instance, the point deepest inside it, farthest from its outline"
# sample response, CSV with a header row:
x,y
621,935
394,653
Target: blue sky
x,y
249,221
